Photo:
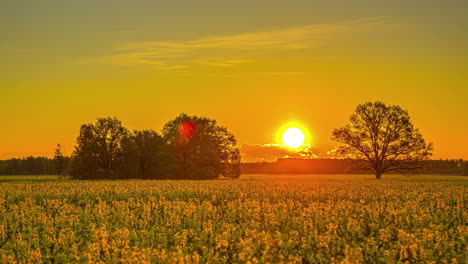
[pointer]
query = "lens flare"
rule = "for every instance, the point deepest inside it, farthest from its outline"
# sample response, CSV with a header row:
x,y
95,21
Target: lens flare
x,y
187,129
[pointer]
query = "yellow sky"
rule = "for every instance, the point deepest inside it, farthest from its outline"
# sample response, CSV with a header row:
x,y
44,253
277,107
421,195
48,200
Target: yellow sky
x,y
251,66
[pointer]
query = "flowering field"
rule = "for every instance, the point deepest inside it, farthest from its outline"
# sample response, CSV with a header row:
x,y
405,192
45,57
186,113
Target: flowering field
x,y
256,219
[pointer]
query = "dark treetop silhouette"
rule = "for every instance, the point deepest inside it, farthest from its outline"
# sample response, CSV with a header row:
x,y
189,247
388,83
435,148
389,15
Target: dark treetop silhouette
x,y
191,147
98,153
204,149
384,138
145,155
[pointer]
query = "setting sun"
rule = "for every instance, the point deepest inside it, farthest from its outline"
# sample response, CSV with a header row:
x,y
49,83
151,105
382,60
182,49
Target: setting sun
x,y
293,137
241,131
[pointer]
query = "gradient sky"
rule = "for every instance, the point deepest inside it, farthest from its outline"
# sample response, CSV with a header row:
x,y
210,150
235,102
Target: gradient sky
x,y
251,65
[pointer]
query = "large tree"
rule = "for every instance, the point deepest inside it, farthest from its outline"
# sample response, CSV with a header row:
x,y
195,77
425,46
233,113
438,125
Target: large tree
x,y
146,156
98,153
203,149
384,138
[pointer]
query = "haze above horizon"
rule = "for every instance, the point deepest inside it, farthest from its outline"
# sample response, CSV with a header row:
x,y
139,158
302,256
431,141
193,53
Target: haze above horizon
x,y
252,66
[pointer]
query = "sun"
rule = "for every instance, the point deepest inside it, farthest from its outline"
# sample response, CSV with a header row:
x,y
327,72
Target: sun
x,y
293,137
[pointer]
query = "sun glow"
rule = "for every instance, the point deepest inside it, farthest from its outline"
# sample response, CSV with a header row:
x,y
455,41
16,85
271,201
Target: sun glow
x,y
293,137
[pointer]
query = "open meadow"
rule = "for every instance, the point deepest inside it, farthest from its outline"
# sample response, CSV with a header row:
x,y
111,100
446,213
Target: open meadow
x,y
254,219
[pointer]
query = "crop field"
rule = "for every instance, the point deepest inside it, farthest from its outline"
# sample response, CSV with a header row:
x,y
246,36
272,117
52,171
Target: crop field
x,y
28,177
255,219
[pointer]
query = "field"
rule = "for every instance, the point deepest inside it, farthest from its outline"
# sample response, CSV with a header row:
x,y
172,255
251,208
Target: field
x,y
28,177
255,219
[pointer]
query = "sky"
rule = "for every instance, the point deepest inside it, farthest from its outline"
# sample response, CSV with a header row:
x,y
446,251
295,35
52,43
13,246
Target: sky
x,y
251,65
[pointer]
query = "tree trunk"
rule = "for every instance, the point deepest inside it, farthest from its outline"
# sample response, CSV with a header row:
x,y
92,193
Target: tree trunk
x,y
378,175
143,169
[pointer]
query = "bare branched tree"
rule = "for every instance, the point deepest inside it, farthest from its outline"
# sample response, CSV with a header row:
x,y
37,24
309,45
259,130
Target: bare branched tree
x,y
384,138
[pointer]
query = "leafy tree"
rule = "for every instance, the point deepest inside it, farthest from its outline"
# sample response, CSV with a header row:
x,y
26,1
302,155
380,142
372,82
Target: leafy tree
x,y
203,149
146,156
384,138
98,153
85,163
59,161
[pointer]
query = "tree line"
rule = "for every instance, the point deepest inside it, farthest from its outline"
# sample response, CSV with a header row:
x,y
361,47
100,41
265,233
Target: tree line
x,y
189,147
31,166
59,166
347,166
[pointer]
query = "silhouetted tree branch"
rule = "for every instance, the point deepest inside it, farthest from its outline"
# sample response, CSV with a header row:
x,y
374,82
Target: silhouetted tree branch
x,y
384,137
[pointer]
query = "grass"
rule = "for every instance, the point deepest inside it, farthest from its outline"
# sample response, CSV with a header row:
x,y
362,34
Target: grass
x,y
255,219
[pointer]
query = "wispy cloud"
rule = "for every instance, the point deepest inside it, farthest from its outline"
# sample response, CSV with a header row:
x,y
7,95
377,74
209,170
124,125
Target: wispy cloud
x,y
279,73
23,50
174,67
122,31
273,152
223,63
232,47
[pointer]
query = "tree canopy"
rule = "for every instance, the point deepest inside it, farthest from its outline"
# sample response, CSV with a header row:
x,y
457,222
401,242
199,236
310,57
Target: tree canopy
x,y
384,138
146,156
98,150
203,149
190,147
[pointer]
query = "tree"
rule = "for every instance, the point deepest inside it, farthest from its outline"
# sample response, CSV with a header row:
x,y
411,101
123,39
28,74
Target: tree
x,y
203,149
146,156
98,153
384,138
59,161
465,168
85,163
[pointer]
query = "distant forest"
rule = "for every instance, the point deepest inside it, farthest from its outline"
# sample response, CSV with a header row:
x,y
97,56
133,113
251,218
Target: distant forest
x,y
47,166
347,166
30,166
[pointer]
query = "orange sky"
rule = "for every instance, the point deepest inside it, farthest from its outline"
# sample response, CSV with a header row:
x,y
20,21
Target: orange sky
x,y
251,66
